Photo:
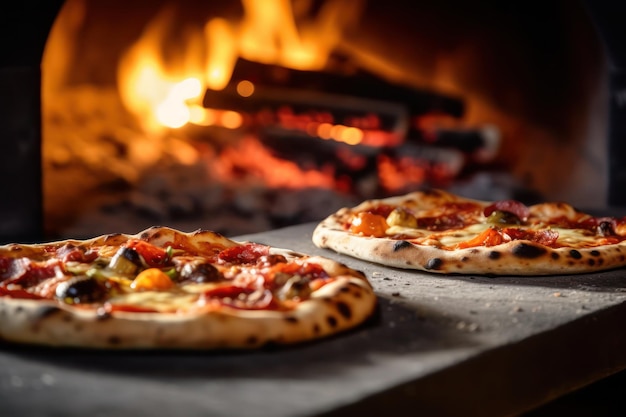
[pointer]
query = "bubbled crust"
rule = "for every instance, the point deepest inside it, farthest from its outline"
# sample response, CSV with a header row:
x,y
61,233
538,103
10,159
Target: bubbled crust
x,y
517,257
340,305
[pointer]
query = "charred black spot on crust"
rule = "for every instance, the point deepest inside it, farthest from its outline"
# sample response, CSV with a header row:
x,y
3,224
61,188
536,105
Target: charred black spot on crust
x,y
147,234
494,254
401,244
464,259
114,340
316,328
575,254
352,288
555,255
332,321
344,309
525,250
291,319
46,311
252,340
591,262
595,253
434,263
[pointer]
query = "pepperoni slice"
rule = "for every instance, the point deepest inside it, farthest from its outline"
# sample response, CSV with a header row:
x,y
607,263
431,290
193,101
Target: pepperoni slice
x,y
510,206
26,273
547,237
68,253
19,293
244,254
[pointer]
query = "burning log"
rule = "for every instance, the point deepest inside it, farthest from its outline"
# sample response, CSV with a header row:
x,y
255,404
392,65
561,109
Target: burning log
x,y
357,125
298,109
359,83
286,102
303,100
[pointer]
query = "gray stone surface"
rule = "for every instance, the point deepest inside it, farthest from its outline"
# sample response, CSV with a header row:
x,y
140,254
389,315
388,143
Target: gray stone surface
x,y
438,345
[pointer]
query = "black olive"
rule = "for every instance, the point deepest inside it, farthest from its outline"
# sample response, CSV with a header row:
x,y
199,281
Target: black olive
x,y
132,255
126,261
81,289
200,272
605,228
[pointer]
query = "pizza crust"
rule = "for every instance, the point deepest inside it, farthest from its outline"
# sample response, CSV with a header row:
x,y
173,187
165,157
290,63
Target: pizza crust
x,y
517,257
339,305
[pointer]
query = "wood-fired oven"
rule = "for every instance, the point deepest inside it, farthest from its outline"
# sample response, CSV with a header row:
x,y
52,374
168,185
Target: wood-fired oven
x,y
245,116
351,100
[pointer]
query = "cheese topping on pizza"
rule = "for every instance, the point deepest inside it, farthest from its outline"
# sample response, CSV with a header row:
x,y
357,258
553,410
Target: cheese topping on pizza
x,y
437,231
452,225
141,277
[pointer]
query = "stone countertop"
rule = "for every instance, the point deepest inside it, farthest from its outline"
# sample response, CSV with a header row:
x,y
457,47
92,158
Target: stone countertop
x,y
438,345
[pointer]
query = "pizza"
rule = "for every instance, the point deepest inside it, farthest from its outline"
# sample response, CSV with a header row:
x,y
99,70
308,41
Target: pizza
x,y
440,232
164,288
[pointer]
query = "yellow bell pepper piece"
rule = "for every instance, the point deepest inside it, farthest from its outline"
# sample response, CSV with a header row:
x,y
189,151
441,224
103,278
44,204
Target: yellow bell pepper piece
x,y
152,279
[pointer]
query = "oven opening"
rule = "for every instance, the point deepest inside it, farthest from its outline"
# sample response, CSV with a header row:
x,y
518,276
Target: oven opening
x,y
246,116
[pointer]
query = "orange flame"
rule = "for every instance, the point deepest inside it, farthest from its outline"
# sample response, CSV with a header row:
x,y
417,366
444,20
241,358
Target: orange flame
x,y
169,96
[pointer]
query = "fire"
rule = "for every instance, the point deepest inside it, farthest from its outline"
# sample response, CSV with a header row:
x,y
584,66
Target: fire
x,y
148,116
258,162
163,94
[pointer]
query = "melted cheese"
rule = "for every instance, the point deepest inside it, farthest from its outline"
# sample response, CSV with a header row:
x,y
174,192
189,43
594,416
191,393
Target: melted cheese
x,y
449,239
163,301
179,299
576,237
445,238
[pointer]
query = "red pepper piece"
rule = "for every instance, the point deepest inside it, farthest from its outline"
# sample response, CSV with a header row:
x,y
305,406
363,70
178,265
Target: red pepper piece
x,y
153,255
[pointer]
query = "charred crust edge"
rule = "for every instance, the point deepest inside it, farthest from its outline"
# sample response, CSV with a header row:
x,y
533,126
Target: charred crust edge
x,y
401,244
526,250
575,254
434,264
344,309
46,311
